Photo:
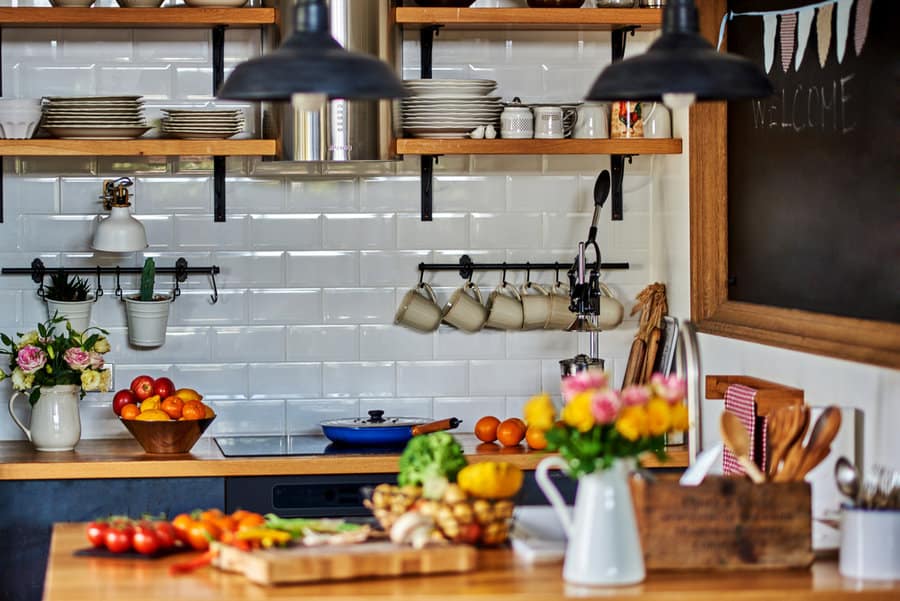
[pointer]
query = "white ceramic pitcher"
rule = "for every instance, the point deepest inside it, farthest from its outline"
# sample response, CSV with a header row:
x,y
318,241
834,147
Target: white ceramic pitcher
x,y
55,421
604,547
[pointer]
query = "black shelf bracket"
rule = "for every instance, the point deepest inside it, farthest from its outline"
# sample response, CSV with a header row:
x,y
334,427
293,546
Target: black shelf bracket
x,y
427,161
467,267
617,161
218,78
38,271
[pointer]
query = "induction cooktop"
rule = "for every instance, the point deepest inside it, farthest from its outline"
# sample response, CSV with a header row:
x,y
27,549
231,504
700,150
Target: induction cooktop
x,y
274,446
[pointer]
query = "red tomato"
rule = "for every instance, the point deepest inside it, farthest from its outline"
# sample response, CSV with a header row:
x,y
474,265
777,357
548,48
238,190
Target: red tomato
x,y
165,534
118,540
145,541
164,387
96,533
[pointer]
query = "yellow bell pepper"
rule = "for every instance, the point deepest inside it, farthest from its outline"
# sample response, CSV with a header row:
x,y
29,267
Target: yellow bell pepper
x,y
490,479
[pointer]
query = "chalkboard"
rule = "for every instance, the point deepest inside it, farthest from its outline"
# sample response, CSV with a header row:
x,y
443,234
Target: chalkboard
x,y
813,185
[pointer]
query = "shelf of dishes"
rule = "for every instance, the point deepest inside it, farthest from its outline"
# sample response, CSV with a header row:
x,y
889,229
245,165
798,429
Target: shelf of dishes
x,y
591,19
627,146
139,147
170,16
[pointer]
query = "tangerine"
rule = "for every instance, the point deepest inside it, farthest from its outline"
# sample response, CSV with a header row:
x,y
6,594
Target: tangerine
x,y
173,406
486,428
536,438
193,410
130,411
511,431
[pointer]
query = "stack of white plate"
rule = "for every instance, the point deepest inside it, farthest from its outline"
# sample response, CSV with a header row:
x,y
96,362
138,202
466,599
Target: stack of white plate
x,y
202,124
449,108
94,117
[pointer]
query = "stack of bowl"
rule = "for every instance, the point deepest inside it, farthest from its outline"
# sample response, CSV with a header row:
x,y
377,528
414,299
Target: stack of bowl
x,y
19,117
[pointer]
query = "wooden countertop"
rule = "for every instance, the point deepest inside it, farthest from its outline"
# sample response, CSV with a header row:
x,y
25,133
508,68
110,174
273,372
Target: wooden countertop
x,y
498,577
124,458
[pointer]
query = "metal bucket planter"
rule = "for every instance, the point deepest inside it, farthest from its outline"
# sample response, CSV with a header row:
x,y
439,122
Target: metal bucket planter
x,y
77,313
147,320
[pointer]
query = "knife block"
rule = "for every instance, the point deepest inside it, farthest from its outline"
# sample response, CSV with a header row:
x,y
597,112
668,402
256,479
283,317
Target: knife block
x,y
723,524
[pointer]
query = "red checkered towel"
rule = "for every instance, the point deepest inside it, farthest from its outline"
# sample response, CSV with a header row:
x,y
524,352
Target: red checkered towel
x,y
741,400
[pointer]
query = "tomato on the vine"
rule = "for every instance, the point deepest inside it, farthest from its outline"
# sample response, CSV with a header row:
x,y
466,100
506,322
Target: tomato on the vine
x,y
144,540
118,538
165,534
96,534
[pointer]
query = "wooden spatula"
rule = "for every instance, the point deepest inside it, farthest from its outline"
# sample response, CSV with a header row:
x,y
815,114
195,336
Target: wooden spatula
x,y
736,438
785,426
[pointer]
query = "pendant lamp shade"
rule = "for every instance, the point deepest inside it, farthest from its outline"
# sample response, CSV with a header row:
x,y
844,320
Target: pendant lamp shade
x,y
119,233
680,62
311,61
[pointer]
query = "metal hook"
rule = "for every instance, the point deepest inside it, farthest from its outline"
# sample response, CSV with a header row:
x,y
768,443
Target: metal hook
x,y
176,292
214,297
558,282
528,274
118,283
98,289
503,279
421,276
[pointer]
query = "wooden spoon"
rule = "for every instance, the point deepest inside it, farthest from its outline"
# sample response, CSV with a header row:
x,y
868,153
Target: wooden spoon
x,y
823,434
784,427
794,456
736,438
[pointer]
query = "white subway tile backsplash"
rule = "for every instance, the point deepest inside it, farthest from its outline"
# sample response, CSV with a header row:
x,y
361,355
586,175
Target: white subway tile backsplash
x,y
328,268
255,269
254,194
432,378
214,381
195,307
394,342
317,195
194,232
398,194
532,193
506,230
470,193
57,232
249,343
177,45
285,232
286,306
57,80
173,195
410,407
390,268
285,380
123,375
304,415
192,82
359,231
31,195
256,417
469,409
151,82
89,45
185,344
358,379
510,377
358,305
448,230
451,343
541,344
322,343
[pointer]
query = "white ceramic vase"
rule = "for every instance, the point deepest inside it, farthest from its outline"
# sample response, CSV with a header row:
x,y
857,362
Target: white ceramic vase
x,y
604,545
55,420
77,313
147,321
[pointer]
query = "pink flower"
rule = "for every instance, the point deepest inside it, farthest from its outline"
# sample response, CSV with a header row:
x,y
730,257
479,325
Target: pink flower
x,y
96,360
78,359
31,358
672,388
635,396
605,406
583,380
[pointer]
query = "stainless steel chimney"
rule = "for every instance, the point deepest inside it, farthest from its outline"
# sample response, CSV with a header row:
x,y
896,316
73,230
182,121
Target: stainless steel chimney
x,y
339,130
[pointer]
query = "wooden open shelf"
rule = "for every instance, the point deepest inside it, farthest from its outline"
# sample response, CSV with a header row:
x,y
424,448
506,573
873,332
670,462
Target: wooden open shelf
x,y
532,146
589,19
176,16
139,147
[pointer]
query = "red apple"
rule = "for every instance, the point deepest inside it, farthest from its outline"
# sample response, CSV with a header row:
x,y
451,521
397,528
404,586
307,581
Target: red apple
x,y
164,387
142,387
122,398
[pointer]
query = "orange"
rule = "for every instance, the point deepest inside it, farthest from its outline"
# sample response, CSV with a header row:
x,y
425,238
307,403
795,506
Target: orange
x,y
130,411
193,410
172,405
510,432
486,428
153,415
188,394
536,439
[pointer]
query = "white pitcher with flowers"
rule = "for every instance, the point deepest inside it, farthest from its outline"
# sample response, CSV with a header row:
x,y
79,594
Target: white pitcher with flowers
x,y
52,367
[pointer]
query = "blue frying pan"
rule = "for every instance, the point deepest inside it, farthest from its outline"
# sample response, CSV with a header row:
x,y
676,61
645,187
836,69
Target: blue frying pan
x,y
379,430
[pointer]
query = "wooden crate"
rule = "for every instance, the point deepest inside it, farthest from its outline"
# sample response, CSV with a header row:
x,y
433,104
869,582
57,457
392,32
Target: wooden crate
x,y
724,524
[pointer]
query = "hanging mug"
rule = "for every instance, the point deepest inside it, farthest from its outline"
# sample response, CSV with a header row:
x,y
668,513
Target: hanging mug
x,y
625,120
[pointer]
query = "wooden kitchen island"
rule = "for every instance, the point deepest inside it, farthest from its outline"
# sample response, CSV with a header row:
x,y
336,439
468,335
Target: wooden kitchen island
x,y
499,577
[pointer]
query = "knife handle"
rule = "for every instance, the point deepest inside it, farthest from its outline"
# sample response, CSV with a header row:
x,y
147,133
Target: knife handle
x,y
443,424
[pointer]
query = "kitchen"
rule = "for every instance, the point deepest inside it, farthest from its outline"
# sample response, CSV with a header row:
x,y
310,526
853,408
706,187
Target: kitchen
x,y
313,267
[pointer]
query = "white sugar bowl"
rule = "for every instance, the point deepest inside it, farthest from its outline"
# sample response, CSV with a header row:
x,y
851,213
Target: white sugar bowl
x,y
516,122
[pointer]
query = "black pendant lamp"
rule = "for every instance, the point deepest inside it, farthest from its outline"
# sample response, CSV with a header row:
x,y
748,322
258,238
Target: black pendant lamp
x,y
681,67
311,61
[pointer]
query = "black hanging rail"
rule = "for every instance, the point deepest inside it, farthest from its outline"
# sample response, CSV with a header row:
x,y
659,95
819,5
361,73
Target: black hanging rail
x,y
466,266
181,271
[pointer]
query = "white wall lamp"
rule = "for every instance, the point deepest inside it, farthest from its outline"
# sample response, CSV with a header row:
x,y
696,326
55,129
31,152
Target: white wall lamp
x,y
120,232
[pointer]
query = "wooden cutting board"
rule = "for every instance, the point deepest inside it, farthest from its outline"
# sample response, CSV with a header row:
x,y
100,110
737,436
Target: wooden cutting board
x,y
311,564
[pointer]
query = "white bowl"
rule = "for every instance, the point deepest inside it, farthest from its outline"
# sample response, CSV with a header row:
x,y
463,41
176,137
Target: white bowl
x,y
19,123
140,3
72,3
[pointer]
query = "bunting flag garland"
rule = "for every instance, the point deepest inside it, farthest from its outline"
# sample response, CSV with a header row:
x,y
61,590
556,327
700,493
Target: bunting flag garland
x,y
787,34
795,25
804,23
823,32
861,29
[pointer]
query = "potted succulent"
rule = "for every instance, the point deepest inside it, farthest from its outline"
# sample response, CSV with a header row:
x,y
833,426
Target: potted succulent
x,y
70,298
147,313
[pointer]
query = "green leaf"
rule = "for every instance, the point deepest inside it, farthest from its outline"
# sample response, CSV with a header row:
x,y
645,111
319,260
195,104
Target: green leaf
x,y
6,339
35,395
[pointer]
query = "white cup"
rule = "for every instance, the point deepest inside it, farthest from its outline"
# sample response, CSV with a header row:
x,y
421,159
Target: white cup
x,y
548,122
504,308
611,312
419,312
465,310
535,307
592,121
870,544
657,120
516,123
560,316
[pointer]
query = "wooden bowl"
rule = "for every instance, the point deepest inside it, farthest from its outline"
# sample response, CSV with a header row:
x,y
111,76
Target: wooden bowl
x,y
167,437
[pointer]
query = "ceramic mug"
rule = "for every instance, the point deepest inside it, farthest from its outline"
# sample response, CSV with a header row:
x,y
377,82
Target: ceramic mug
x,y
657,120
419,311
535,307
560,316
516,123
611,312
465,309
548,122
504,308
592,121
625,120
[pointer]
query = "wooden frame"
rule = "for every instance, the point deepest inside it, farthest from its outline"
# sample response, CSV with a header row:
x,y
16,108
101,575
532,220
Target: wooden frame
x,y
843,337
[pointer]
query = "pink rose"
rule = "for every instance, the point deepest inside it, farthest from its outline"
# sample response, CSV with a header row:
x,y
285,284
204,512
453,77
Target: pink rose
x,y
635,396
583,380
31,358
96,360
605,406
78,359
672,388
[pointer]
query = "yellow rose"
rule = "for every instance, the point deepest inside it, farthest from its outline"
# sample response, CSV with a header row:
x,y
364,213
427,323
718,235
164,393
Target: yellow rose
x,y
577,412
540,412
679,417
105,381
633,423
90,380
101,345
658,417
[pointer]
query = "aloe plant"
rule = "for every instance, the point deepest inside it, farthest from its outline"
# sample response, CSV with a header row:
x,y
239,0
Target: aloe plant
x,y
148,279
63,288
